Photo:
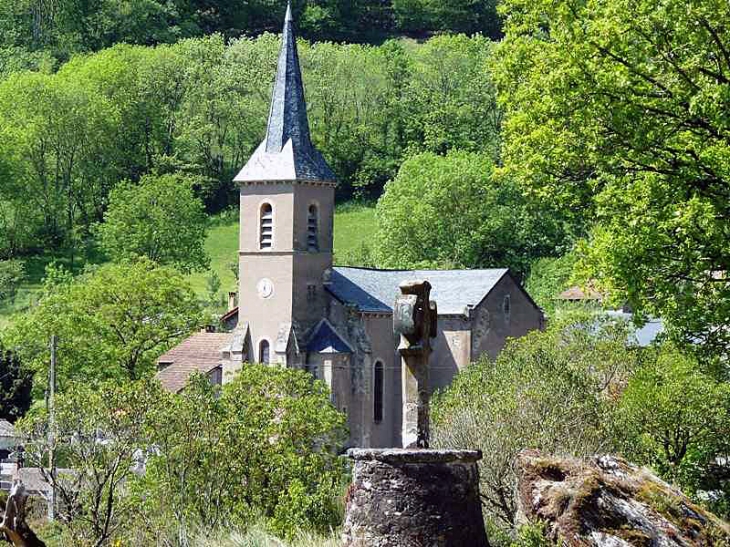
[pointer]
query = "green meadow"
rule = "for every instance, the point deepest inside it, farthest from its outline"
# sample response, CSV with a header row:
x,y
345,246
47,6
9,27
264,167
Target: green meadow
x,y
354,227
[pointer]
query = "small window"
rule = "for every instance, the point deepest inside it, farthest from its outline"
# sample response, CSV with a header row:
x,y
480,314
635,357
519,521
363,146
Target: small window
x,y
313,229
378,387
267,226
507,306
264,352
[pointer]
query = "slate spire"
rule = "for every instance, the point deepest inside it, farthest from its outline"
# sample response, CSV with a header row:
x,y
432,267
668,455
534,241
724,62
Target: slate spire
x,y
287,152
288,116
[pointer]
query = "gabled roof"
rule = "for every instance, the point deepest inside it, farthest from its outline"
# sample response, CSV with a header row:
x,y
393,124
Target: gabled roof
x,y
326,339
287,152
376,290
199,353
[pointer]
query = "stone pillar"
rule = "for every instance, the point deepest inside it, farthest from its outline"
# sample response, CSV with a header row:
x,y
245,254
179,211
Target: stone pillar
x,y
415,319
414,498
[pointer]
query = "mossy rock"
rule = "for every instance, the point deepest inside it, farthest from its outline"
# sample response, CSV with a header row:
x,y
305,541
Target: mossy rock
x,y
608,501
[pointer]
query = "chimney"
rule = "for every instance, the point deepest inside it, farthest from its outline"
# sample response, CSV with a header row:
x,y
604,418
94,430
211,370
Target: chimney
x,y
232,298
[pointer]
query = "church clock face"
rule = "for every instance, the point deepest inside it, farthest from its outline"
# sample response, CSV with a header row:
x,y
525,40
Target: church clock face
x,y
265,288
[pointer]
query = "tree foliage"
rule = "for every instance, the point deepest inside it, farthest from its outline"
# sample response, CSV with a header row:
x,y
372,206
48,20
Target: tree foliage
x,y
12,273
467,16
583,388
161,219
101,434
16,384
549,390
266,447
198,109
111,322
550,276
442,212
147,466
676,418
77,25
618,111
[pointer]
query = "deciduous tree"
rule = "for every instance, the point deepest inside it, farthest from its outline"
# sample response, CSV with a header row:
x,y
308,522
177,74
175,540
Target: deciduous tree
x,y
111,322
443,212
619,113
160,219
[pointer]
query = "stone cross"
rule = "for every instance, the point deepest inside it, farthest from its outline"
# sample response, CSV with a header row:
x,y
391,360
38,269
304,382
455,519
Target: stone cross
x,y
415,320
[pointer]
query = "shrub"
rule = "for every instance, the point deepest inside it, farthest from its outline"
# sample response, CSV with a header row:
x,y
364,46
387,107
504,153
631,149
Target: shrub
x,y
548,390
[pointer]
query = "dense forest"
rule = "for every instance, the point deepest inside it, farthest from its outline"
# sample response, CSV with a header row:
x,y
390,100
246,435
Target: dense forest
x,y
576,142
199,107
64,27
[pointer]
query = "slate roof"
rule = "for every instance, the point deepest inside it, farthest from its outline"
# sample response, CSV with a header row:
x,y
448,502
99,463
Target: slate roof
x,y
201,352
376,290
325,339
7,430
287,152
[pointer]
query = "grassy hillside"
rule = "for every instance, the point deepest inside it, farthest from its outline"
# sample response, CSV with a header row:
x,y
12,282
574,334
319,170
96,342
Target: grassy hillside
x,y
354,227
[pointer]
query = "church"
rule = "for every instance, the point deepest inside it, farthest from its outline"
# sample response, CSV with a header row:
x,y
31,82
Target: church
x,y
298,310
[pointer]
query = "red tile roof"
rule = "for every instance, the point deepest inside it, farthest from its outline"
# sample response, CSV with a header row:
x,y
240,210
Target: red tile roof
x,y
199,353
576,293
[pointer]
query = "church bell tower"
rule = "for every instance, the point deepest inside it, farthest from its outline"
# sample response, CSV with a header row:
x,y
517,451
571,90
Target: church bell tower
x,y
287,194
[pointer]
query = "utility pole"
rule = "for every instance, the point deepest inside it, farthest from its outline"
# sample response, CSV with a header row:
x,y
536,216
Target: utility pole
x,y
52,430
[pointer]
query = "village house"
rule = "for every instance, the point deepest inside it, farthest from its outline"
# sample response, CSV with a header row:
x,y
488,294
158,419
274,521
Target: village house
x,y
297,310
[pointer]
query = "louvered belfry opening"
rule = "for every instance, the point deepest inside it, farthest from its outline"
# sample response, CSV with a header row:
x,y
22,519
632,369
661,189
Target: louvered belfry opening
x,y
313,229
267,226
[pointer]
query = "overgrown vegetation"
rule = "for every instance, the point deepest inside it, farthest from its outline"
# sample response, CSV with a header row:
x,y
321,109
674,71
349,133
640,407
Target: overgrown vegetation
x,y
112,322
151,467
581,389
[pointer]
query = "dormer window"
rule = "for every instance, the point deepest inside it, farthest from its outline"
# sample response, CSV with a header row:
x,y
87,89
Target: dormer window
x,y
266,236
313,229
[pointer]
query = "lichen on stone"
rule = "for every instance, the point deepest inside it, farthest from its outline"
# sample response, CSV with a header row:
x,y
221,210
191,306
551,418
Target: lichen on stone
x,y
609,502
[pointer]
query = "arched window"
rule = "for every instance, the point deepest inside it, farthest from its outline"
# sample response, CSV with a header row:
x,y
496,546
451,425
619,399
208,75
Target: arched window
x,y
266,235
264,352
378,387
313,229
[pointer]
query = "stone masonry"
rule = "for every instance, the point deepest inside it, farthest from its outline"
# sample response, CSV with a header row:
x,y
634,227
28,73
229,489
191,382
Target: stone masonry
x,y
414,498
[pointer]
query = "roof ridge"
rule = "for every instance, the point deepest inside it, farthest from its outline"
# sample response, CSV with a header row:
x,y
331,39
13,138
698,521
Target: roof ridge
x,y
452,270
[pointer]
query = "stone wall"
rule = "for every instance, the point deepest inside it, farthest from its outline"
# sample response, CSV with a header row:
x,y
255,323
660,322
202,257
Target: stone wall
x,y
414,498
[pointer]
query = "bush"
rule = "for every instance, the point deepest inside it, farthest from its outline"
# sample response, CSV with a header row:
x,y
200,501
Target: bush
x,y
548,390
676,418
263,448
